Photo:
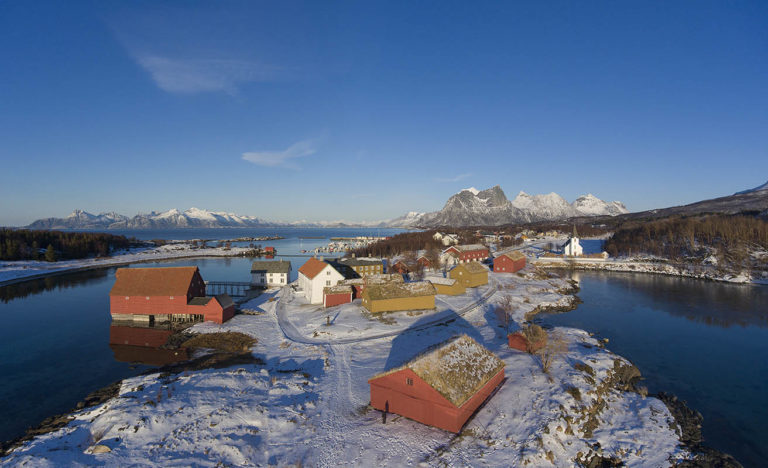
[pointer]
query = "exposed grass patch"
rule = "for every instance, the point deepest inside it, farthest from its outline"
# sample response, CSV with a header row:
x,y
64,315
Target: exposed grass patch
x,y
574,392
230,342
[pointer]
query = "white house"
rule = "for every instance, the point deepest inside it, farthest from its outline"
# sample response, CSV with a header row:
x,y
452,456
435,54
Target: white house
x,y
265,273
314,276
572,248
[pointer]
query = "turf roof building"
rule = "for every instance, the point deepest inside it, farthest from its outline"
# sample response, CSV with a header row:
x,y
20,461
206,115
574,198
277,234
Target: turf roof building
x,y
471,275
442,387
449,286
394,296
509,262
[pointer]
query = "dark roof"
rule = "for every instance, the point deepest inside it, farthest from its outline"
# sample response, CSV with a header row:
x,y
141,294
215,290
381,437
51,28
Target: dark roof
x,y
400,290
271,266
168,281
199,301
360,261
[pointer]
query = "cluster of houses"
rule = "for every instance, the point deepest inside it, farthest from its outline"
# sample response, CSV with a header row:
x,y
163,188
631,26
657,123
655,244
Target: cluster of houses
x,y
436,387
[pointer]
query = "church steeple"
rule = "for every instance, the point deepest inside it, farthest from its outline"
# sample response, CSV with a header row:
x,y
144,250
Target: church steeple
x,y
575,234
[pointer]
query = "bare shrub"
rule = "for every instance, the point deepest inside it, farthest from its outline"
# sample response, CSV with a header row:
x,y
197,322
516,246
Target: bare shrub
x,y
556,345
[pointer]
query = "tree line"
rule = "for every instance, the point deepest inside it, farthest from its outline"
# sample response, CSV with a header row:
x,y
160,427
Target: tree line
x,y
677,237
25,244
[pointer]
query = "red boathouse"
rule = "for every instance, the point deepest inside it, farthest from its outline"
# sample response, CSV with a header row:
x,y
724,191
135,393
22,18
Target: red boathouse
x,y
509,262
161,294
442,387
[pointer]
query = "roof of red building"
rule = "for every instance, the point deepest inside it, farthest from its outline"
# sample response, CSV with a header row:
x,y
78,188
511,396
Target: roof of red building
x,y
312,267
168,281
514,255
456,368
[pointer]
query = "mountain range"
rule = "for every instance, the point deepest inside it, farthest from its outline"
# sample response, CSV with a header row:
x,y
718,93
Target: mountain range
x,y
468,207
490,207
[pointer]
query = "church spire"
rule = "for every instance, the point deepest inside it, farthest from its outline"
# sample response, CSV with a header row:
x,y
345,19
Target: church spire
x,y
575,234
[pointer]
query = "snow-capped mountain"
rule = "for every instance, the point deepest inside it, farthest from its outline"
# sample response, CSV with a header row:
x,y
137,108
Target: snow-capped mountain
x,y
472,207
193,217
590,205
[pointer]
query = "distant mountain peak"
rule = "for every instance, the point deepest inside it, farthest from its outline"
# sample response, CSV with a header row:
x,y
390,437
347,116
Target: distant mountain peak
x,y
489,207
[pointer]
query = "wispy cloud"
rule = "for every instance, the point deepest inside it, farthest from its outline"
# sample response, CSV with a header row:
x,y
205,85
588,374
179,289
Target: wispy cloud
x,y
204,75
453,179
282,158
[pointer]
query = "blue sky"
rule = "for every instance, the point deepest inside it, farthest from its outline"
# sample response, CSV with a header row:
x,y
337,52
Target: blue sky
x,y
367,110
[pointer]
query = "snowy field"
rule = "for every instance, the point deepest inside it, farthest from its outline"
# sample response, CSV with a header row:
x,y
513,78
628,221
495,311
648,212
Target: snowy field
x,y
308,403
10,271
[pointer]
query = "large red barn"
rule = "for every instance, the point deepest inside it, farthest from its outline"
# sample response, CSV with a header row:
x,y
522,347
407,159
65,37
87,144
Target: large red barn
x,y
509,262
442,387
171,293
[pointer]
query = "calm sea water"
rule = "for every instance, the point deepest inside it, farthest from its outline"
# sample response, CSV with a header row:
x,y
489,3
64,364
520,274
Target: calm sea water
x,y
705,342
55,339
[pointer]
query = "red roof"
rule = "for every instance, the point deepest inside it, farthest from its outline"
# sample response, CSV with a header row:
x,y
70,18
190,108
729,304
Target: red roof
x,y
312,267
168,281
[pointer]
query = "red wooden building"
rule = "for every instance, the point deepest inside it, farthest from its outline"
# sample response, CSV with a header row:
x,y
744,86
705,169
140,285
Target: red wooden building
x,y
160,294
337,295
424,262
468,253
400,267
442,387
509,262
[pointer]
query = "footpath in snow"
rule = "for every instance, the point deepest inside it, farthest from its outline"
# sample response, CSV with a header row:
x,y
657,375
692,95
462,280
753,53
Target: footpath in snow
x,y
308,402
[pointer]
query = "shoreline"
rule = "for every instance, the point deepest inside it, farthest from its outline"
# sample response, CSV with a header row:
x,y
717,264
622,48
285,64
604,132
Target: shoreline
x,y
114,261
666,269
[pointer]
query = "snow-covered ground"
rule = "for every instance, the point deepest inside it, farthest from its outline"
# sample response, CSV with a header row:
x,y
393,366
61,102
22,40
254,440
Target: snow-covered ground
x,y
308,403
16,270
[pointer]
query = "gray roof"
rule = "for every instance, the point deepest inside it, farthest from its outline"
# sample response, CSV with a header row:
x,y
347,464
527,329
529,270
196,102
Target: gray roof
x,y
360,261
271,266
199,301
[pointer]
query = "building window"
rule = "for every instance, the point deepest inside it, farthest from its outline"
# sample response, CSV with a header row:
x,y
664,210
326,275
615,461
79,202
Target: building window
x,y
147,297
409,381
328,283
171,298
126,298
328,273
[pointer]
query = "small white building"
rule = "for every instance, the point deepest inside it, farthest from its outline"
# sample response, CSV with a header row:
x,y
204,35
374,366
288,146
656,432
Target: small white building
x,y
266,273
314,276
572,248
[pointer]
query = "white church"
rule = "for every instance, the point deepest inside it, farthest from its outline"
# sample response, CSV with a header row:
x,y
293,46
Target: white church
x,y
572,248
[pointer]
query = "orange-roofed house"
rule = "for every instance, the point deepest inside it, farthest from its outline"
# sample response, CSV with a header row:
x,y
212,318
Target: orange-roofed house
x,y
316,275
509,262
442,387
161,294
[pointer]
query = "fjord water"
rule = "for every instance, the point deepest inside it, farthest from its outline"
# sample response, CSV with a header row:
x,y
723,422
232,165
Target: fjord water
x,y
703,341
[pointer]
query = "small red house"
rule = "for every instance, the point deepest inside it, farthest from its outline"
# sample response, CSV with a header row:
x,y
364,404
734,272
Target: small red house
x,y
337,295
468,253
171,293
442,387
424,262
269,250
509,262
400,267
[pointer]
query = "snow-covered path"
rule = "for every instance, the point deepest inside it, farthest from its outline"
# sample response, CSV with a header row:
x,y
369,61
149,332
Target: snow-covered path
x,y
445,315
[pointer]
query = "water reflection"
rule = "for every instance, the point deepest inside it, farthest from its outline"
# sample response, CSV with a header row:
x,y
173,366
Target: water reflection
x,y
50,283
144,345
708,302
